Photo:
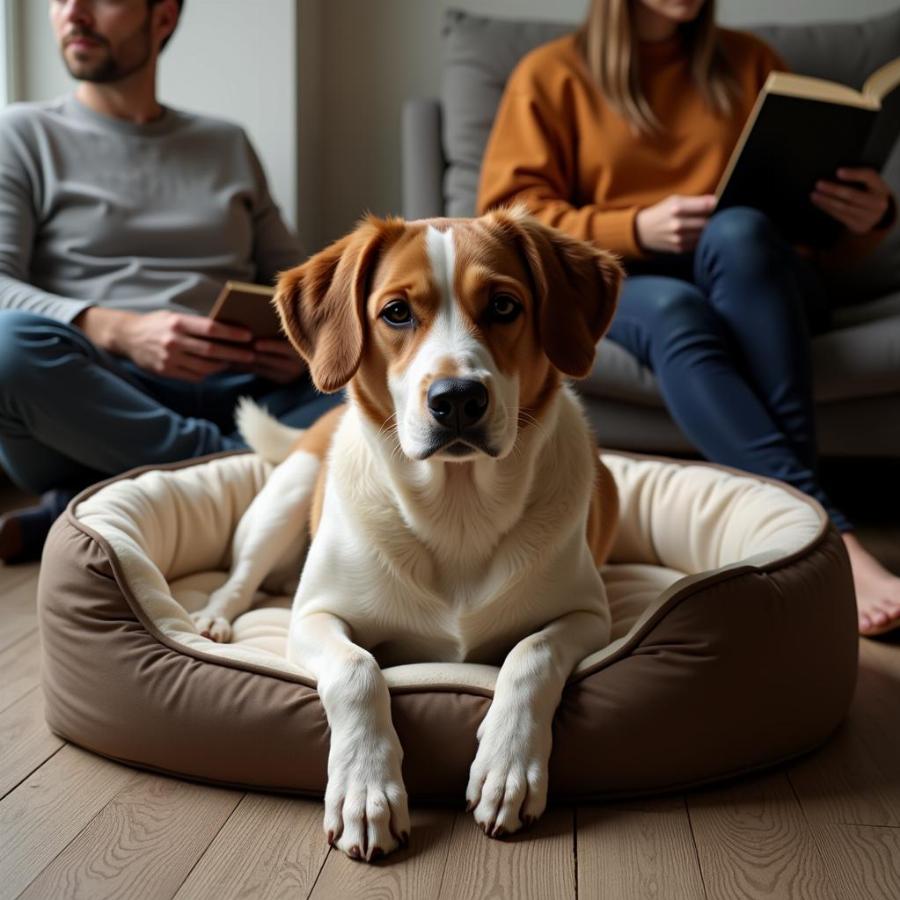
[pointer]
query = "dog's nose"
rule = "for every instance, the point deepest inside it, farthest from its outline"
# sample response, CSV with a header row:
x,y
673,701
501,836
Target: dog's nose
x,y
457,403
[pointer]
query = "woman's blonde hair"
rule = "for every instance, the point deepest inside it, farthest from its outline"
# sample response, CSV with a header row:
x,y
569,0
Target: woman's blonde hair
x,y
608,42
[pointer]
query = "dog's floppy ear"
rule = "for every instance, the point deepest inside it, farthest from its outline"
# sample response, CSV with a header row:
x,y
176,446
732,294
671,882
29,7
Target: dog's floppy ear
x,y
576,286
322,303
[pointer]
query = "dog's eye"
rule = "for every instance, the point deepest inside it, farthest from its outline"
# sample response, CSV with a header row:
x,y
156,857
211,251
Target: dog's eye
x,y
504,308
397,314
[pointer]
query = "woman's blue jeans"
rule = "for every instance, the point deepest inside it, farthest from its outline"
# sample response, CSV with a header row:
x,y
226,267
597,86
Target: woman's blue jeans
x,y
72,414
727,334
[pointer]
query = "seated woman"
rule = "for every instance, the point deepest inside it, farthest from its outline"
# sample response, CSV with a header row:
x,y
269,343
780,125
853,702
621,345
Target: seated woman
x,y
617,134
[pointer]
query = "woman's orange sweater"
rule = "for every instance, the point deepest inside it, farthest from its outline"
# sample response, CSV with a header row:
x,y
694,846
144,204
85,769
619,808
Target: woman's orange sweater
x,y
560,148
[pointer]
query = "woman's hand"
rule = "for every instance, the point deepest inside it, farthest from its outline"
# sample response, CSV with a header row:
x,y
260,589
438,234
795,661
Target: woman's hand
x,y
859,205
673,225
170,344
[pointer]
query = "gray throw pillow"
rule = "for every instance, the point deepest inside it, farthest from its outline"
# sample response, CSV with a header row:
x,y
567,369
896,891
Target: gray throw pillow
x,y
847,52
479,56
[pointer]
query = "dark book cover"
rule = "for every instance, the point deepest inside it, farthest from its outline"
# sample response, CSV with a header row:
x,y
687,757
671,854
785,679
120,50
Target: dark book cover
x,y
793,143
884,133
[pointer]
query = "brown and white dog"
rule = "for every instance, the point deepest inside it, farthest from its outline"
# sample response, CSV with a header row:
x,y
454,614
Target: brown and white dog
x,y
457,507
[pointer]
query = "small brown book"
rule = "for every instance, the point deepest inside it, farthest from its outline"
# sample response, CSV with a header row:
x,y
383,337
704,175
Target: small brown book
x,y
249,305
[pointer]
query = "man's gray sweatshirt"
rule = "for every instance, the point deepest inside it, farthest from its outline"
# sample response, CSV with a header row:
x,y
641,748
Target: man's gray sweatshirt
x,y
96,211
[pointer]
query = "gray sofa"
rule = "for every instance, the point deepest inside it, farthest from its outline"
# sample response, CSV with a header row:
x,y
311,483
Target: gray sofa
x,y
856,364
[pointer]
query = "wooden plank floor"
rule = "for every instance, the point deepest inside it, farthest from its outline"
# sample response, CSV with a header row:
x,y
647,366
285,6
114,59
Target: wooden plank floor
x,y
73,825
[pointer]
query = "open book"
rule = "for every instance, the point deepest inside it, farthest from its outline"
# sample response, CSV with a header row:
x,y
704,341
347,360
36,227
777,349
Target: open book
x,y
802,129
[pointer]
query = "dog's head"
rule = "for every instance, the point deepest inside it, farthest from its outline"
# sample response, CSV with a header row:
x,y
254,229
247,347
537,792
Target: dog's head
x,y
455,331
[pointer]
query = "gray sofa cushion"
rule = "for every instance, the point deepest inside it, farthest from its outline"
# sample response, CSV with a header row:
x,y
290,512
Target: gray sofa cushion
x,y
480,53
847,52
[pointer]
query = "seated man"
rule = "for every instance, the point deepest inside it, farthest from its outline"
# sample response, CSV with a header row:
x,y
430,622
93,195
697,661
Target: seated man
x,y
120,219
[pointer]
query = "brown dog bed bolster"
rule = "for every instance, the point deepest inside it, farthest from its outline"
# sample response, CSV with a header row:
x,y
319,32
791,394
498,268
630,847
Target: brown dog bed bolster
x,y
734,644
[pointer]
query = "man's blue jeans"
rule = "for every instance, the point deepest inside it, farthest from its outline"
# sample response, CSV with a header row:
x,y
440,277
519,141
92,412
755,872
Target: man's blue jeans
x,y
726,333
72,414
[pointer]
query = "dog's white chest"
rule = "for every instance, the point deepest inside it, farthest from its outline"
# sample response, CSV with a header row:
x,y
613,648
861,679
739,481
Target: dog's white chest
x,y
407,606
449,569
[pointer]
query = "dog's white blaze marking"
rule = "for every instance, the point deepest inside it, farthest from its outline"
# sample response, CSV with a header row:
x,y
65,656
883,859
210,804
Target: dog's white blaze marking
x,y
450,339
449,336
442,256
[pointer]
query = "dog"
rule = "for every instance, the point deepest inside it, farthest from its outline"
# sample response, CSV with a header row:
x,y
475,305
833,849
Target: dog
x,y
456,504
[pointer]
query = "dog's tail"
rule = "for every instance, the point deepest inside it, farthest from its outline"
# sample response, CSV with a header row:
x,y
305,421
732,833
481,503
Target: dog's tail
x,y
263,432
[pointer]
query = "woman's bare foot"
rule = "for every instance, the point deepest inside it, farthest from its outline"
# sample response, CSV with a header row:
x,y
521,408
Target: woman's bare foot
x,y
877,590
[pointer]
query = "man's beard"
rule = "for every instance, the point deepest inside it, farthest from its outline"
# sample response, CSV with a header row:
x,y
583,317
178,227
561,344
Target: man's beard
x,y
136,49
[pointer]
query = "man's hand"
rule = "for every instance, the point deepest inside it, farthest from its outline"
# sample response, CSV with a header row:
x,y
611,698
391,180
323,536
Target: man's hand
x,y
859,203
673,225
277,360
174,345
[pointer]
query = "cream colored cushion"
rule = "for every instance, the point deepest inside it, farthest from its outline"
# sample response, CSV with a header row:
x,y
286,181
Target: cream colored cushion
x,y
171,532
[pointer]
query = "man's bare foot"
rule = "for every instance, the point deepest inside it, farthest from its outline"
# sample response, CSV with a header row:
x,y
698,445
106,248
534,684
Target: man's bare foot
x,y
877,590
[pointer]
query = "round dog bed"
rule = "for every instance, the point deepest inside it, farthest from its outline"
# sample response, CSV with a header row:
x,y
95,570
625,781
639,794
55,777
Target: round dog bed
x,y
734,641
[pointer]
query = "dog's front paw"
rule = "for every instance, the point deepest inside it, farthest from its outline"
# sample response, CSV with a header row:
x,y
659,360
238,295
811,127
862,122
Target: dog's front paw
x,y
214,627
508,779
366,810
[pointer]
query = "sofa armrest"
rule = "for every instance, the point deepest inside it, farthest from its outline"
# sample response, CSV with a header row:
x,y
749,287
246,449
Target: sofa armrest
x,y
423,159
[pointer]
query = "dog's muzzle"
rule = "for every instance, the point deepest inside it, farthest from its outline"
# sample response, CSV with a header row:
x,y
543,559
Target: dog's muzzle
x,y
458,407
457,403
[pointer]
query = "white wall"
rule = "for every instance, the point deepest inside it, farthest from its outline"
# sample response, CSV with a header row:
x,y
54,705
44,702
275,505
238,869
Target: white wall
x,y
5,60
231,58
311,113
379,52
